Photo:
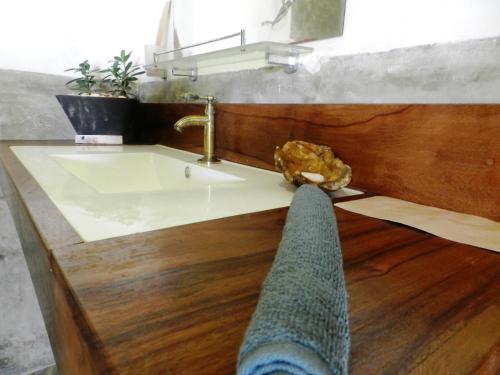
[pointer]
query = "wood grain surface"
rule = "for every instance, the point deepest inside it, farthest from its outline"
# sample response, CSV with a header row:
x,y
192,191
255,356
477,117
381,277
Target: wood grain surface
x,y
53,229
178,300
446,156
74,350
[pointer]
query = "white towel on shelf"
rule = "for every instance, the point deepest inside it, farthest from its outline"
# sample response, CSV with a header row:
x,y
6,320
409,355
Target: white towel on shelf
x,y
166,37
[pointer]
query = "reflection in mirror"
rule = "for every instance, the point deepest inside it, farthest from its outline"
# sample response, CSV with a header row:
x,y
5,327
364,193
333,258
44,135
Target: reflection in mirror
x,y
316,19
286,21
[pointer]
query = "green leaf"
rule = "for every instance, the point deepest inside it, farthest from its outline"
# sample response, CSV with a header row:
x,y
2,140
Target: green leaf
x,y
127,67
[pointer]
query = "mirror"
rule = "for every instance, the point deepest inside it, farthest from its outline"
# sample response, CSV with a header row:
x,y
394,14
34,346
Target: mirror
x,y
316,19
285,21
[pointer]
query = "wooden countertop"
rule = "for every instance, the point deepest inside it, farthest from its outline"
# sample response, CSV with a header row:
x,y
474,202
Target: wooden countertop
x,y
178,300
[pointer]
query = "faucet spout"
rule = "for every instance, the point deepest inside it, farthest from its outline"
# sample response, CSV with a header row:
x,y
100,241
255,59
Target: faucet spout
x,y
190,121
207,121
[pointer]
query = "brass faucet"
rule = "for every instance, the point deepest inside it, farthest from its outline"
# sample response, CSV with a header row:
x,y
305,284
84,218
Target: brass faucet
x,y
207,122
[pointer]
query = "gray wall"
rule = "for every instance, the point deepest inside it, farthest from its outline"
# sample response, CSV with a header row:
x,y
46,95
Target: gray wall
x,y
464,72
24,345
28,107
28,110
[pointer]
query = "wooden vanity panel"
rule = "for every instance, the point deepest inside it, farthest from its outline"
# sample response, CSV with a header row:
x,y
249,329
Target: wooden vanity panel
x,y
76,350
446,155
418,304
53,229
184,295
178,300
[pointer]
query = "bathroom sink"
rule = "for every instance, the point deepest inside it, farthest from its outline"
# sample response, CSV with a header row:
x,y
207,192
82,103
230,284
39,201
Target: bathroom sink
x,y
139,172
110,191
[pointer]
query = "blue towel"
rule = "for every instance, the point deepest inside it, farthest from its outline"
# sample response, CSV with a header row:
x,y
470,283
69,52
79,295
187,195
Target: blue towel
x,y
300,325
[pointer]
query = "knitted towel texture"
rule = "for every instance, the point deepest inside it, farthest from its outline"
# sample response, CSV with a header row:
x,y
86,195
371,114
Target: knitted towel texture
x,y
300,325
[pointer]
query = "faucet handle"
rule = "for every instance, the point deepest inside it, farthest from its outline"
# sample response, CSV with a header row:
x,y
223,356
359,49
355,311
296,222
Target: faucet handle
x,y
209,98
190,96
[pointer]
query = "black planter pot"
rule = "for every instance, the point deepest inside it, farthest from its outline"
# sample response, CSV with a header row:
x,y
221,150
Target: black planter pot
x,y
95,115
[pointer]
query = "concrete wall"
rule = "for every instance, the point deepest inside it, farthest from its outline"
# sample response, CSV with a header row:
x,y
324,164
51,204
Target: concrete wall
x,y
24,345
29,108
461,72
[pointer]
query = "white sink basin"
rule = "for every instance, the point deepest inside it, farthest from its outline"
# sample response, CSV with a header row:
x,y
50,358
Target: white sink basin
x,y
109,191
139,172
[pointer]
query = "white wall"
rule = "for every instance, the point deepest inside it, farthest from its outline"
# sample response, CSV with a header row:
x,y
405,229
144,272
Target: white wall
x,y
370,25
49,36
381,25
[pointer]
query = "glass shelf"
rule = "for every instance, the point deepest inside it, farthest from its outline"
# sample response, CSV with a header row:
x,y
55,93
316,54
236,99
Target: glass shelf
x,y
272,53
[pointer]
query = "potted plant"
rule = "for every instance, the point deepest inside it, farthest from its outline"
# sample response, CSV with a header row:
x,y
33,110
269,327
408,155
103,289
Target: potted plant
x,y
103,106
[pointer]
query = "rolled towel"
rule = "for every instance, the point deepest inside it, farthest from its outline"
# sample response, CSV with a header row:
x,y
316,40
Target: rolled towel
x,y
300,325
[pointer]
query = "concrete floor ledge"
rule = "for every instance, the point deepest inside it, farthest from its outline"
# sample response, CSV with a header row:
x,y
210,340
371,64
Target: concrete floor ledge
x,y
24,345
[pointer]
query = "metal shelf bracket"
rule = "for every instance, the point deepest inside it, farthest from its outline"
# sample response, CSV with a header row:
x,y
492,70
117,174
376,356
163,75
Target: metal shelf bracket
x,y
289,63
191,73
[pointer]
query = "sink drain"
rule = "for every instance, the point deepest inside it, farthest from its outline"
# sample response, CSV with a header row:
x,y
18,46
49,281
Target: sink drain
x,y
187,172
